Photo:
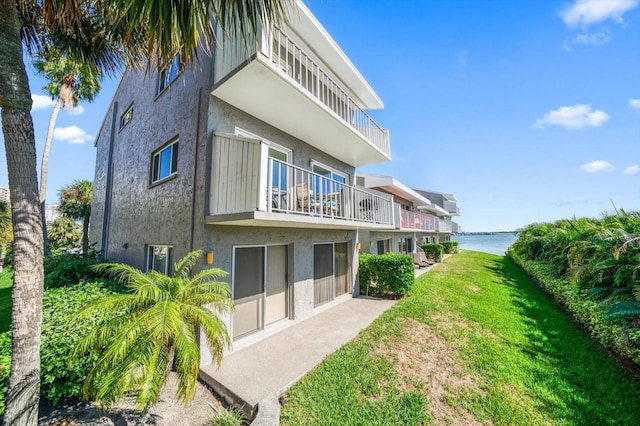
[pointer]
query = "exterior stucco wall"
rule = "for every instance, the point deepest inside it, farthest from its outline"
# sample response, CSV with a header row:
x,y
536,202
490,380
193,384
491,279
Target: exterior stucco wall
x,y
224,118
221,240
142,213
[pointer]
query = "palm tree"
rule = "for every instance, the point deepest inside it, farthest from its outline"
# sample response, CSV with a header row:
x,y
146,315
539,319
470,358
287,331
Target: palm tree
x,y
64,233
107,33
75,203
152,329
70,82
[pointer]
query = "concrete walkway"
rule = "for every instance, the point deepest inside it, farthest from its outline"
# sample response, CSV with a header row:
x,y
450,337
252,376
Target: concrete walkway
x,y
265,370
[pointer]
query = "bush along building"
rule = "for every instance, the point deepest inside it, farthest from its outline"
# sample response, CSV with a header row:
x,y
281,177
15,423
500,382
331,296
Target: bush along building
x,y
249,155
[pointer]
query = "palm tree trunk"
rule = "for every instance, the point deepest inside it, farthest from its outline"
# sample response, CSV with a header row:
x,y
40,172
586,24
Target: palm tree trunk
x,y
85,236
44,167
26,317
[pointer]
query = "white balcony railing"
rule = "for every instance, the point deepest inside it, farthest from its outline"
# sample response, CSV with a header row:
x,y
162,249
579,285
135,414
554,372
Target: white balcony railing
x,y
417,220
292,60
444,226
245,179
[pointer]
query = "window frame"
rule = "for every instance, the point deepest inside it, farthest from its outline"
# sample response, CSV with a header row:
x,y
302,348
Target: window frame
x,y
150,258
169,73
129,112
156,155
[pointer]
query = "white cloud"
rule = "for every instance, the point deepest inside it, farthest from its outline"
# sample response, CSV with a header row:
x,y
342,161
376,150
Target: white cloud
x,y
41,102
72,135
78,110
595,39
634,103
598,166
587,12
573,117
632,170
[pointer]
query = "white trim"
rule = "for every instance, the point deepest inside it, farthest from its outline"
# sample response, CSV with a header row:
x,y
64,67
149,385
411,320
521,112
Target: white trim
x,y
331,169
246,134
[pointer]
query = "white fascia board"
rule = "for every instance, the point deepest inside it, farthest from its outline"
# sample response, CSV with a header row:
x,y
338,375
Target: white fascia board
x,y
302,21
434,208
379,181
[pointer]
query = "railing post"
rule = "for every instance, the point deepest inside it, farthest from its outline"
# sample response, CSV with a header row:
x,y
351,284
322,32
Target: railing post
x,y
264,177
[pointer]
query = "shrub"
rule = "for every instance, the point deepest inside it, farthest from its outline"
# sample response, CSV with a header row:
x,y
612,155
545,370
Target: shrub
x,y
433,251
5,362
386,274
64,233
585,310
450,247
59,378
70,268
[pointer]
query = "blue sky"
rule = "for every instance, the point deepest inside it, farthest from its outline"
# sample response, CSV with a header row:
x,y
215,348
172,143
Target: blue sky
x,y
527,111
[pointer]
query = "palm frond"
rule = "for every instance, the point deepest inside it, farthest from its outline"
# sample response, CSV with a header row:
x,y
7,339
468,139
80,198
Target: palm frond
x,y
624,309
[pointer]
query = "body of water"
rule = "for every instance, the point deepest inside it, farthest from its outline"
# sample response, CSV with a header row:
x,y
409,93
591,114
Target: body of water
x,y
494,244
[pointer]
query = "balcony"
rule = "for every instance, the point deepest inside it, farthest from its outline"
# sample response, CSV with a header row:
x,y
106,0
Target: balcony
x,y
444,226
249,188
416,220
280,83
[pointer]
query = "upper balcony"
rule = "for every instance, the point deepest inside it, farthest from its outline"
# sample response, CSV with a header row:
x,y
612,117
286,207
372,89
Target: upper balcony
x,y
278,80
443,225
415,220
248,187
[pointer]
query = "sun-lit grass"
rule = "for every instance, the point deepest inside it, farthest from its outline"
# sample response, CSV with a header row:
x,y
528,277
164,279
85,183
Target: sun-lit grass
x,y
6,284
475,341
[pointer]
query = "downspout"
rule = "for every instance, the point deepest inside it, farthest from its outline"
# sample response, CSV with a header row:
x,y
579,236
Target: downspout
x,y
195,173
108,190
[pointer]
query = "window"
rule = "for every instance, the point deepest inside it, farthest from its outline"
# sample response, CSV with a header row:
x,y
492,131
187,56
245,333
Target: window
x,y
164,162
159,259
126,116
169,73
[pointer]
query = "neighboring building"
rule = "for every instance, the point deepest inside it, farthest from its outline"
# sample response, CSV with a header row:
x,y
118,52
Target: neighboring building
x,y
417,219
447,208
4,195
51,212
251,157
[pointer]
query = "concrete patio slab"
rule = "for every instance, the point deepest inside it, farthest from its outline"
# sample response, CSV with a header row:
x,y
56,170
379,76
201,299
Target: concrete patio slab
x,y
271,366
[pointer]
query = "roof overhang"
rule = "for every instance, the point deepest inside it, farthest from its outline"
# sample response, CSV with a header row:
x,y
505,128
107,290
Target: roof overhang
x,y
393,186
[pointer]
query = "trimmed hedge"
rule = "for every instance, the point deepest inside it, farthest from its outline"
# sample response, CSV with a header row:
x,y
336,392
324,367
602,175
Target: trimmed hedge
x,y
386,274
450,247
433,251
585,310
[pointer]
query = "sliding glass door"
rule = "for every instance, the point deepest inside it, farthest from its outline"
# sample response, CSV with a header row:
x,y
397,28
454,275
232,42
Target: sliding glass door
x,y
260,287
331,272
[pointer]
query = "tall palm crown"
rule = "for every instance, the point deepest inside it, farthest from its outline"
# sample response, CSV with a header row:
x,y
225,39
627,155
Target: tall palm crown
x,y
75,203
154,328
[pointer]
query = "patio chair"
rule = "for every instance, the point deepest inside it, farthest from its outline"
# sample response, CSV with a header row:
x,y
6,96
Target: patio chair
x,y
423,258
417,261
306,200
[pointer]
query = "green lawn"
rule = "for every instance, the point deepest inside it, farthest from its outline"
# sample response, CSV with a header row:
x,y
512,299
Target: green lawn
x,y
476,342
6,283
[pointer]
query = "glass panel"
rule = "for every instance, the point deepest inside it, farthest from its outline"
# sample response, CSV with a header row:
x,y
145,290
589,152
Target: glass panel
x,y
159,259
165,162
342,268
248,290
279,169
277,307
323,280
381,247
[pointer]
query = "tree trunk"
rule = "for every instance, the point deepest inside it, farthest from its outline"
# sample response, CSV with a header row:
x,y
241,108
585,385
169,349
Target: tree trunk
x,y
85,236
15,100
43,173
